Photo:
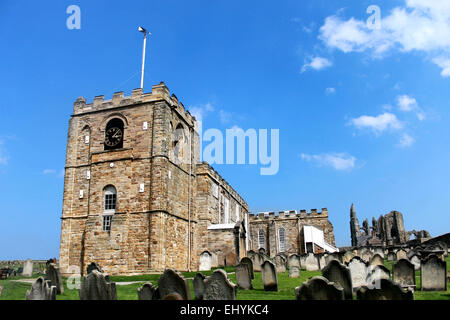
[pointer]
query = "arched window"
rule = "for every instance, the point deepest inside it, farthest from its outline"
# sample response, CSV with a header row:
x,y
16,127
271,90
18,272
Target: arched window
x,y
261,238
114,133
282,239
109,206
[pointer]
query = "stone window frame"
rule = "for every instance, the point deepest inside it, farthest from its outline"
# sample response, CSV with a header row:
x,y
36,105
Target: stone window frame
x,y
226,210
281,240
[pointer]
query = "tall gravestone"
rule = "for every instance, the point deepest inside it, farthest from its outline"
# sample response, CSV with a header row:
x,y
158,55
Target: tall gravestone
x,y
319,288
97,286
415,260
358,272
257,260
147,292
243,276
280,263
199,286
403,273
41,290
53,274
249,263
340,274
205,261
172,282
27,268
386,290
376,273
269,276
219,287
322,261
312,262
294,266
433,274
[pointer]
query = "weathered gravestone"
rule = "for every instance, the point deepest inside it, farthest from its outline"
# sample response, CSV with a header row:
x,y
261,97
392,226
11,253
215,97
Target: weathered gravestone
x,y
319,288
312,262
340,274
262,251
377,260
53,274
148,292
41,290
303,261
358,271
199,286
322,261
348,255
366,254
403,273
257,260
391,256
385,290
249,263
401,254
205,261
93,266
379,250
330,257
269,276
375,274
415,260
219,287
27,268
294,266
280,263
97,286
433,274
230,259
243,276
171,282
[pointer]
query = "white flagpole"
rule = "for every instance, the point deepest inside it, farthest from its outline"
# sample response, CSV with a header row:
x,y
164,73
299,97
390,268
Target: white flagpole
x,y
143,54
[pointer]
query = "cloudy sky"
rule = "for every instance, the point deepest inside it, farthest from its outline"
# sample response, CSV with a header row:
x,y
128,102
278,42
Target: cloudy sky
x,y
359,91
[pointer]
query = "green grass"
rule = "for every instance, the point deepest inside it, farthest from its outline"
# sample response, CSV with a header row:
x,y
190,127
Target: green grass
x,y
16,291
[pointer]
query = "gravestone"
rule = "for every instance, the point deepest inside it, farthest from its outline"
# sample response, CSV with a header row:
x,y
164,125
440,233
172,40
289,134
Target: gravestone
x,y
415,260
433,274
147,292
93,266
27,268
199,286
391,256
171,281
173,296
322,261
379,250
303,261
386,290
340,274
205,261
377,260
257,260
294,266
375,274
214,260
319,288
53,274
41,290
403,273
366,254
1,289
219,287
312,262
97,286
330,257
243,276
262,251
358,272
230,259
280,263
249,263
269,276
348,255
401,254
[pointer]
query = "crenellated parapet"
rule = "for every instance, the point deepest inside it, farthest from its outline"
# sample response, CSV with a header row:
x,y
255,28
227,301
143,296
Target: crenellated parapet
x,y
159,92
289,214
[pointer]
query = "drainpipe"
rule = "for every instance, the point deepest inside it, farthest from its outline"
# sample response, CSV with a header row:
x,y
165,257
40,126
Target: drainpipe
x,y
189,200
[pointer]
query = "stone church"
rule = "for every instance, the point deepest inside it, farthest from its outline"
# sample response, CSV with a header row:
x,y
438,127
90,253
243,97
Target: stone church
x,y
136,198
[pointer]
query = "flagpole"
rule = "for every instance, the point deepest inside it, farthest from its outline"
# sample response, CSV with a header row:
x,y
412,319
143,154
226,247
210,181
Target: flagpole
x,y
144,31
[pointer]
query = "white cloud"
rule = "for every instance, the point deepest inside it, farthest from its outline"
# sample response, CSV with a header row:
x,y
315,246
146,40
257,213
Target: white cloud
x,y
338,161
199,112
377,124
224,116
418,25
330,91
406,140
409,104
48,171
317,63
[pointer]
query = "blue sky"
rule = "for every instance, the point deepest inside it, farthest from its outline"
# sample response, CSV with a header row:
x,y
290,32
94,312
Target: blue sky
x,y
363,113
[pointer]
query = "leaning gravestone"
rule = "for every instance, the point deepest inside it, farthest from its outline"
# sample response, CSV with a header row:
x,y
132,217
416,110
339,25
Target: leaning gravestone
x,y
415,260
311,262
219,287
97,286
93,266
377,260
269,276
147,292
243,276
27,268
340,274
319,288
386,290
170,282
249,263
41,290
433,274
280,263
294,266
375,274
401,254
205,261
358,272
404,274
53,274
199,286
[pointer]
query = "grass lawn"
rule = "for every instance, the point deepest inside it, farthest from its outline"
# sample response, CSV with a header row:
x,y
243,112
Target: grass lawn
x,y
16,291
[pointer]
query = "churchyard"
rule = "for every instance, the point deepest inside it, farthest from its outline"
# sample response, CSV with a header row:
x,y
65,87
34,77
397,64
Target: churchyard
x,y
126,287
